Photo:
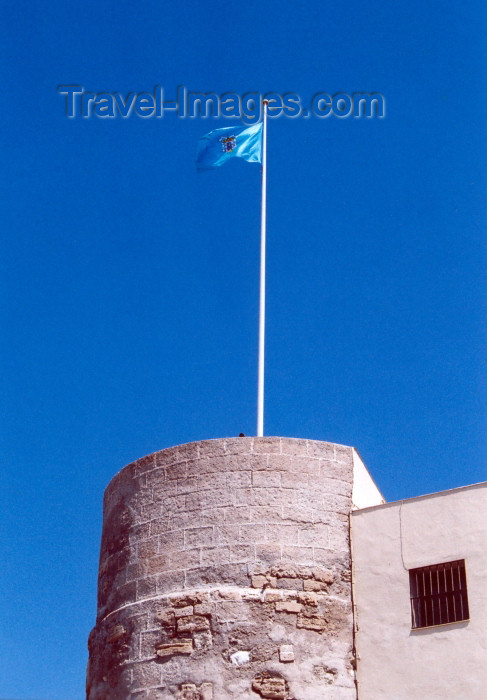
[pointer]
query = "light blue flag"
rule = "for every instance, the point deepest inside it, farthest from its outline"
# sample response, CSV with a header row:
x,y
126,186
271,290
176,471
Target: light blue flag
x,y
215,148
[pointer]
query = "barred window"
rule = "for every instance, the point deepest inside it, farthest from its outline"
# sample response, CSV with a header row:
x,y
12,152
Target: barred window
x,y
438,594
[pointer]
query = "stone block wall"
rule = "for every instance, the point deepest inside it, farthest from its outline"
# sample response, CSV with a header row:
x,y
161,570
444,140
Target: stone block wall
x,y
225,573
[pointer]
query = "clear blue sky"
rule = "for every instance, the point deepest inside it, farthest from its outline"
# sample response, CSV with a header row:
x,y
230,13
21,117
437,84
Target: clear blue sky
x,y
130,284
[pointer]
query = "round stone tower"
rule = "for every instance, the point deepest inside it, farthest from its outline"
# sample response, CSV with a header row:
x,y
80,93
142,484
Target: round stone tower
x,y
225,574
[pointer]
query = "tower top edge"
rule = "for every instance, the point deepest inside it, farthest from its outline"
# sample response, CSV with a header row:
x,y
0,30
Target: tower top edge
x,y
230,445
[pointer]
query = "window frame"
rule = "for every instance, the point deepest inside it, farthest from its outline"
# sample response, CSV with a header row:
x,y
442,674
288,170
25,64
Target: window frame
x,y
438,594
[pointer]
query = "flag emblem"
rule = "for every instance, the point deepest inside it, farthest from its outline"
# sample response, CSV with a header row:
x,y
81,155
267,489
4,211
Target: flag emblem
x,y
228,143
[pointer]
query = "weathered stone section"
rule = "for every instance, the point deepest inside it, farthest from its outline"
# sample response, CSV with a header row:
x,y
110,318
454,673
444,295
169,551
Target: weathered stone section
x,y
225,573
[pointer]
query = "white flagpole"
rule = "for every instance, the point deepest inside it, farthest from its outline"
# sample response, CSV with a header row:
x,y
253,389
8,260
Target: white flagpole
x,y
260,388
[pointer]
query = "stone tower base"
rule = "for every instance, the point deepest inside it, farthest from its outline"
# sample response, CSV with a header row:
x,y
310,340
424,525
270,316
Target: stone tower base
x,y
225,573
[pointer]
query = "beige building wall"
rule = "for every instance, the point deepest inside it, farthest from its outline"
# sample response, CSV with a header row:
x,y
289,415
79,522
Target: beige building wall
x,y
395,662
365,492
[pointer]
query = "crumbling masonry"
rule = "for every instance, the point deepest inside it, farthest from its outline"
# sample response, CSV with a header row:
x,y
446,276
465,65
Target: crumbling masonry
x,y
225,574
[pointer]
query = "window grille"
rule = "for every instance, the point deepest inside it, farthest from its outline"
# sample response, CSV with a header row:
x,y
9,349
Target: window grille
x,y
438,594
